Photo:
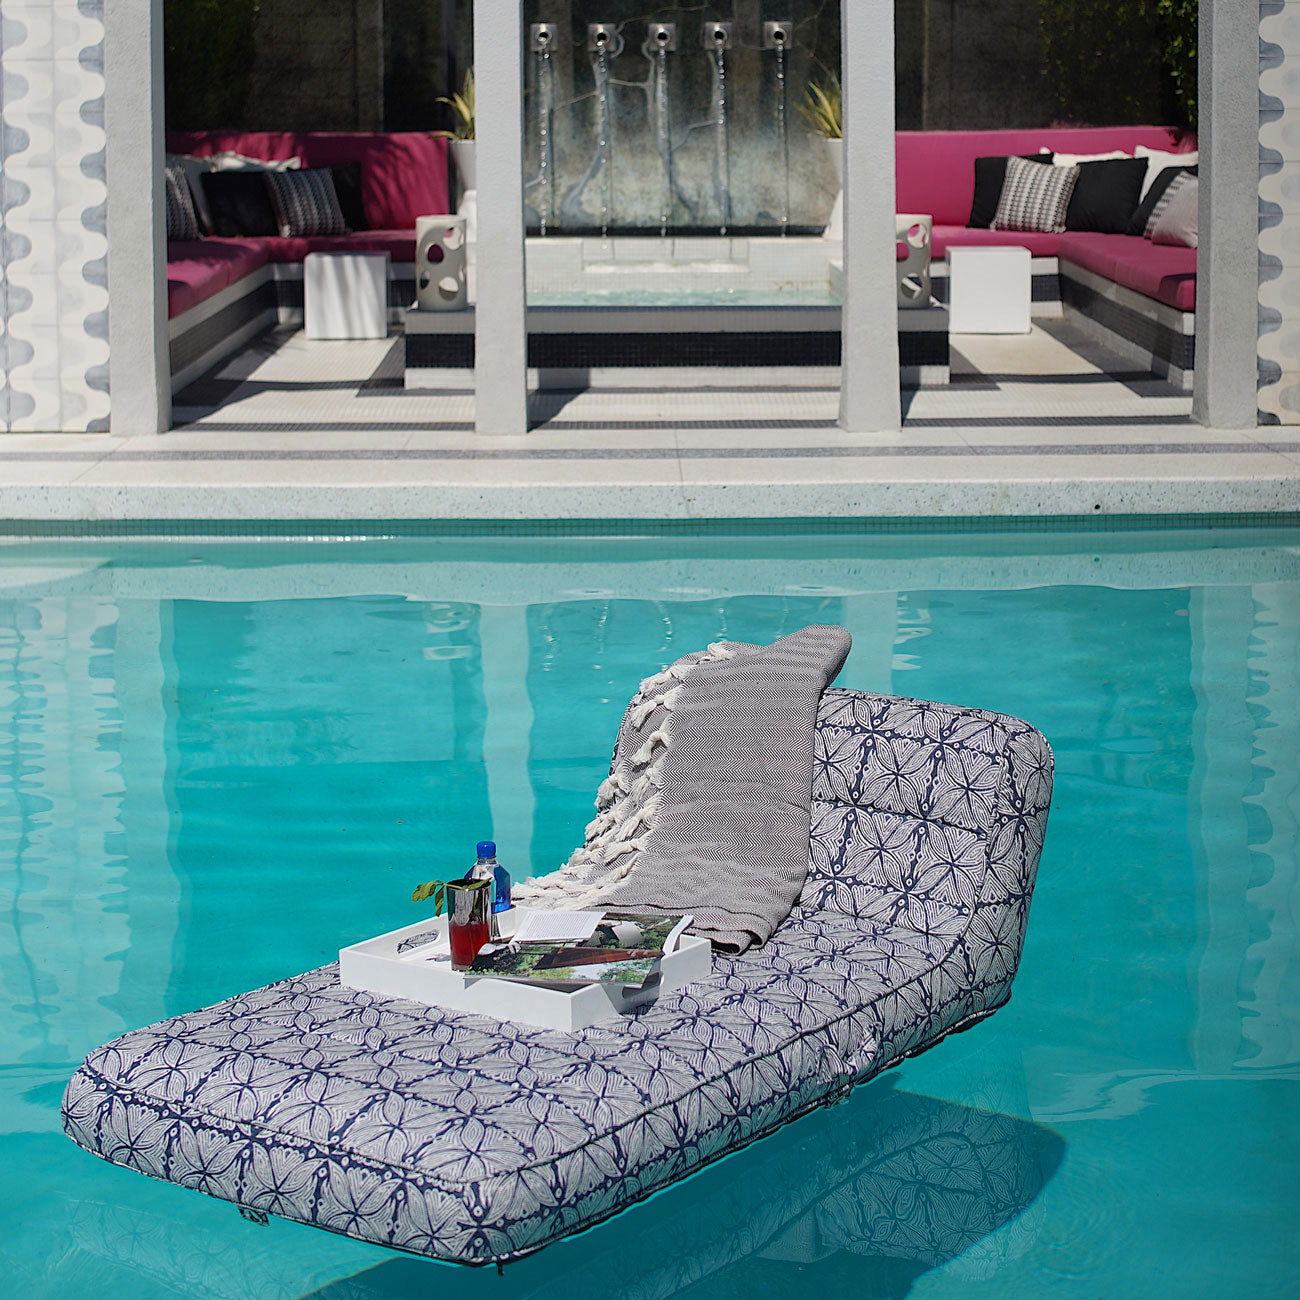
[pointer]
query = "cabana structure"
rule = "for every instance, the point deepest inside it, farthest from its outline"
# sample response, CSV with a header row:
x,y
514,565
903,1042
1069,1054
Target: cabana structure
x,y
91,229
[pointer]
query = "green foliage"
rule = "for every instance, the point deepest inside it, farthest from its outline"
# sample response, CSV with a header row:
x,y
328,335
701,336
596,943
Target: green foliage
x,y
1179,21
208,52
462,106
823,107
1121,61
431,889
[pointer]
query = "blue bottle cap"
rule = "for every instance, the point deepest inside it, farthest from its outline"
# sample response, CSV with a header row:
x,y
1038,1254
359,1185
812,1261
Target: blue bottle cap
x,y
487,849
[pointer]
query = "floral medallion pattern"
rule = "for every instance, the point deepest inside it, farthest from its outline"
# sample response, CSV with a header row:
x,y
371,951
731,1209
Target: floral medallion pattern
x,y
471,1139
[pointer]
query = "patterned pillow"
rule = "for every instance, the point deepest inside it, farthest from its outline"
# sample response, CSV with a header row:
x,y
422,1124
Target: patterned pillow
x,y
1172,190
1035,197
1177,223
182,221
306,202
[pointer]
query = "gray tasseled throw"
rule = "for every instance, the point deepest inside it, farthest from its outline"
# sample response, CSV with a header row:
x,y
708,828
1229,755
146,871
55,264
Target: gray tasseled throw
x,y
708,803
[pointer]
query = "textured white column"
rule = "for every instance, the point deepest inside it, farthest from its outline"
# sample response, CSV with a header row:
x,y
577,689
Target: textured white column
x,y
139,364
1227,271
500,330
869,397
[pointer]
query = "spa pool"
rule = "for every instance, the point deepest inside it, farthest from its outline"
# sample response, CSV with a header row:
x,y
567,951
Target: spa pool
x,y
223,760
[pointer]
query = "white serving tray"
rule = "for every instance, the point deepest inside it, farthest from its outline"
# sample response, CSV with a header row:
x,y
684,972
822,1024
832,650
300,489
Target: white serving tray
x,y
425,974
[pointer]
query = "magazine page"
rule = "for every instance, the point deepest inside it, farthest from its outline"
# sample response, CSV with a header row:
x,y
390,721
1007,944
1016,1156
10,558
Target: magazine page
x,y
622,949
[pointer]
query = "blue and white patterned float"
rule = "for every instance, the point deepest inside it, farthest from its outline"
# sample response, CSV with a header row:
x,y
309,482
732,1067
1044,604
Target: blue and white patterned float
x,y
469,1139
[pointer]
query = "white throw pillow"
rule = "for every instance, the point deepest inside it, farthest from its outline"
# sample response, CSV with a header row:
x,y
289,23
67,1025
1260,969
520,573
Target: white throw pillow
x,y
1160,160
1177,224
230,161
1073,159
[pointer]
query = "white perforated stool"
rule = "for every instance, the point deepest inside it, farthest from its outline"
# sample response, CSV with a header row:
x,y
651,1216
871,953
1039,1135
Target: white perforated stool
x,y
440,277
912,232
345,295
989,290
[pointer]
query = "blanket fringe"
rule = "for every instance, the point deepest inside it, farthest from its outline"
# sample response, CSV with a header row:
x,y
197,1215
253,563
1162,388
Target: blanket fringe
x,y
609,853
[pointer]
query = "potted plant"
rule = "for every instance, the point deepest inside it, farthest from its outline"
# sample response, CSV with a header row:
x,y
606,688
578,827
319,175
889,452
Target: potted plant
x,y
462,133
823,109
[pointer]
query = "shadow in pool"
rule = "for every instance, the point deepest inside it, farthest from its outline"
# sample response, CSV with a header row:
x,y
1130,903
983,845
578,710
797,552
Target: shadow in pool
x,y
896,1183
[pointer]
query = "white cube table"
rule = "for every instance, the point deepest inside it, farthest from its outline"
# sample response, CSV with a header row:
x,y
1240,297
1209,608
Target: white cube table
x,y
345,295
989,290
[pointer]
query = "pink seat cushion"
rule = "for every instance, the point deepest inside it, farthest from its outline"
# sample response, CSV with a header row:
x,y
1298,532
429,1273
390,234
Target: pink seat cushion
x,y
198,269
403,173
1164,272
936,169
398,244
1039,243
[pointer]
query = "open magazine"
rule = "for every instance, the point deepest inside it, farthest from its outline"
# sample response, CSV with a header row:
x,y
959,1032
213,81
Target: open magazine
x,y
621,948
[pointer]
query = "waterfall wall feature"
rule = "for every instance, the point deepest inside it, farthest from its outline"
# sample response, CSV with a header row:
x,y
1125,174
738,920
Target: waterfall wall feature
x,y
679,123
779,37
716,38
542,38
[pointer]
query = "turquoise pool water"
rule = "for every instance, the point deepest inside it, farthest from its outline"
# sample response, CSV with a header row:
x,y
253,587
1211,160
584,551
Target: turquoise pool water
x,y
223,761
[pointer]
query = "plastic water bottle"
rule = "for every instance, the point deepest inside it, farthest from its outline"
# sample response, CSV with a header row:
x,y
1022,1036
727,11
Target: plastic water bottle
x,y
488,866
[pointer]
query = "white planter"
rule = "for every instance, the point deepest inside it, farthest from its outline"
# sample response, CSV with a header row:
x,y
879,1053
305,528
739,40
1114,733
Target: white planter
x,y
835,152
462,154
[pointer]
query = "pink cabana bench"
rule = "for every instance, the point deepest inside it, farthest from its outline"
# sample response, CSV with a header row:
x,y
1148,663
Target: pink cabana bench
x,y
223,291
1136,296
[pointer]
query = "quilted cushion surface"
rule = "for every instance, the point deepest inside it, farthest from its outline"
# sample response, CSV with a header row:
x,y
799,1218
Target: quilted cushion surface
x,y
470,1139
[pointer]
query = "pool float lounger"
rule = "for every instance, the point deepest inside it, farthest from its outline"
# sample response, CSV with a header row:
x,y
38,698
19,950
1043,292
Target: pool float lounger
x,y
474,1140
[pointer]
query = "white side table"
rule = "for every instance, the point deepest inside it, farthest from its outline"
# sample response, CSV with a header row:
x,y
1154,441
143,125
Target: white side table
x,y
345,295
989,290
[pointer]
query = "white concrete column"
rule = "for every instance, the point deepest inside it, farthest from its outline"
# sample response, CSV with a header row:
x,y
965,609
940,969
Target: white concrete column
x,y
1227,270
500,329
869,396
139,361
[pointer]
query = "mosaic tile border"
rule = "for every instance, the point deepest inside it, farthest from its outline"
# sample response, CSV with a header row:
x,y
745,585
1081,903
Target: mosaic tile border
x,y
326,530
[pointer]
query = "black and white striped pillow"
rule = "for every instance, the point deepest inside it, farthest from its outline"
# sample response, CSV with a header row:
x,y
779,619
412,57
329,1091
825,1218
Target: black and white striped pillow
x,y
1035,197
182,221
1179,182
306,202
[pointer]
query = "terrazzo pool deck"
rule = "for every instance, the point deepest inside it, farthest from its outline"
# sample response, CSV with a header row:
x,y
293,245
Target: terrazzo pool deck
x,y
1043,425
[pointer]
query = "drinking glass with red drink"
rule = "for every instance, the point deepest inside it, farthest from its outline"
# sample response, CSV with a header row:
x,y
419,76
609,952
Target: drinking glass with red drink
x,y
469,919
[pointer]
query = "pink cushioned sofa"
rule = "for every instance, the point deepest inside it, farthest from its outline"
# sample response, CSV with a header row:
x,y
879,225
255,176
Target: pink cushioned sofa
x,y
220,292
1136,296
